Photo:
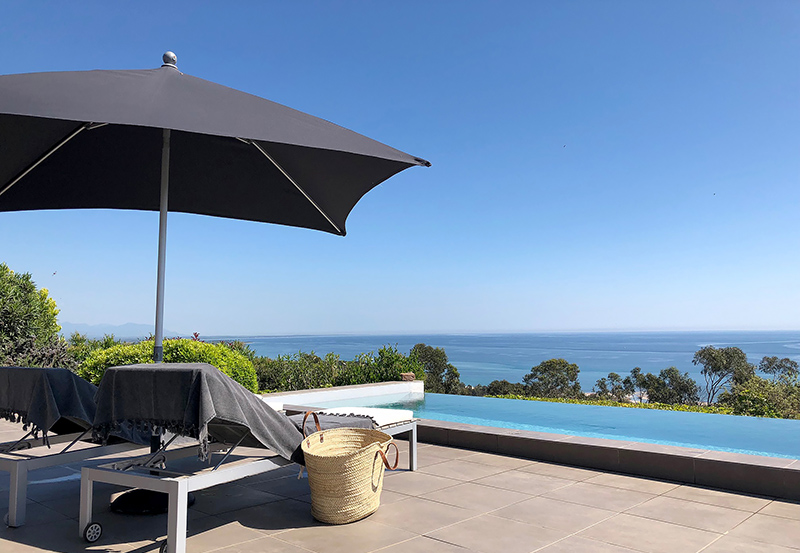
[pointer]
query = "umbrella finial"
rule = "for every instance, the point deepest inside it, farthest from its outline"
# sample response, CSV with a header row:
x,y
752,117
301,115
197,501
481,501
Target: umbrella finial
x,y
170,60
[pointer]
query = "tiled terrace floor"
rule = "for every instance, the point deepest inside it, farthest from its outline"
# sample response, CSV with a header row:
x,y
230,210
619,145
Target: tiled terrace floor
x,y
458,501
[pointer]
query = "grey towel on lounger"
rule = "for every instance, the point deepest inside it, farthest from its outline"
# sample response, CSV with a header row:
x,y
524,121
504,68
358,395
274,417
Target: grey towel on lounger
x,y
51,400
195,400
46,399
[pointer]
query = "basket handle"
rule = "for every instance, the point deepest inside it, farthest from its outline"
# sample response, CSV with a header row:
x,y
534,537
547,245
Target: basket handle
x,y
316,422
396,457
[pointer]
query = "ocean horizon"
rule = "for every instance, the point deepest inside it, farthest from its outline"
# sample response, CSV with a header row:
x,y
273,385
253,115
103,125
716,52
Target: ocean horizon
x,y
481,358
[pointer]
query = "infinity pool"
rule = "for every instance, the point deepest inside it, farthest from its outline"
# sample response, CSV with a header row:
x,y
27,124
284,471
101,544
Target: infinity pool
x,y
752,435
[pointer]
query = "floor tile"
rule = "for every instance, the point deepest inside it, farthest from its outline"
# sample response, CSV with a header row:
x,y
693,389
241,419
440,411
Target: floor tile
x,y
718,497
632,483
737,544
462,470
574,544
220,499
61,536
526,482
553,513
288,486
424,544
420,516
264,544
490,534
210,535
561,471
273,517
602,497
690,513
769,529
495,460
443,452
358,537
476,497
785,509
36,513
651,536
417,483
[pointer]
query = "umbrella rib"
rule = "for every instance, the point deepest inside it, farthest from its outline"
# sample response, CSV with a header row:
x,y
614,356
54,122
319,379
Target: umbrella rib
x,y
50,152
290,179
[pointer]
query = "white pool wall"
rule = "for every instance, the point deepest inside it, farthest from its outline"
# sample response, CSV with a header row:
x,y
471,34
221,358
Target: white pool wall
x,y
381,392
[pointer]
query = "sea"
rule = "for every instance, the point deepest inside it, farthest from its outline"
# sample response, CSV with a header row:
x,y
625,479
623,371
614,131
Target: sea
x,y
481,358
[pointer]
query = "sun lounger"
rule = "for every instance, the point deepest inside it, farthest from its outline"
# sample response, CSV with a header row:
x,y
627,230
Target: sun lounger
x,y
56,407
395,422
196,401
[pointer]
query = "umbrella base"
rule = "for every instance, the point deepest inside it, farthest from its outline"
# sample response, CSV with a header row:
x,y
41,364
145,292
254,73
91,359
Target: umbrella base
x,y
143,502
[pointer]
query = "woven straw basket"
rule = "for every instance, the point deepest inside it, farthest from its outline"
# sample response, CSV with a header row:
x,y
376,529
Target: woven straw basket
x,y
345,472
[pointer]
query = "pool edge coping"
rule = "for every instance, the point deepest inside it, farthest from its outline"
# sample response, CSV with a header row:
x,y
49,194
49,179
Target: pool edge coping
x,y
739,472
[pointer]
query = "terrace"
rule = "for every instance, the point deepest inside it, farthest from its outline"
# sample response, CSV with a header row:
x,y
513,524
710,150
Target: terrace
x,y
459,500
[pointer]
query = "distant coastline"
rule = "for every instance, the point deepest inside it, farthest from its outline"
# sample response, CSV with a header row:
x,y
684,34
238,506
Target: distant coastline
x,y
481,358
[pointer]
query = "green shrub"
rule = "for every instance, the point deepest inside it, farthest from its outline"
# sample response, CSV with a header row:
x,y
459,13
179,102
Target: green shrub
x,y
28,325
716,409
300,371
760,397
304,371
230,362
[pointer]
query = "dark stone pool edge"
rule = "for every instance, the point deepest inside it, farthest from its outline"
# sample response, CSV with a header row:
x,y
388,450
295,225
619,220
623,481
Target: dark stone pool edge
x,y
738,472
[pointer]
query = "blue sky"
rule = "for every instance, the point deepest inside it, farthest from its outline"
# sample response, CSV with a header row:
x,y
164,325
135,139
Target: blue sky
x,y
597,165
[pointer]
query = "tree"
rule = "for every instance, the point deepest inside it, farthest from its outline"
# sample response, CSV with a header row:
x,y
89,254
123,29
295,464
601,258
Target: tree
x,y
781,369
614,387
440,376
553,378
28,325
672,387
504,388
760,397
721,367
636,383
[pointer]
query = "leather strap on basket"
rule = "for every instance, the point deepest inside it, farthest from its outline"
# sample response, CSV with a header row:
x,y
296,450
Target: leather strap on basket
x,y
316,422
396,457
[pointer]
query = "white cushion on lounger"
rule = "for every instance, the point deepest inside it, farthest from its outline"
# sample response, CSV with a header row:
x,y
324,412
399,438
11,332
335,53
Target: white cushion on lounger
x,y
382,417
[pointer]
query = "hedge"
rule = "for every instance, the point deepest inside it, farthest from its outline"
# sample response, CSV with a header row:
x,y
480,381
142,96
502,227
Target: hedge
x,y
230,362
714,409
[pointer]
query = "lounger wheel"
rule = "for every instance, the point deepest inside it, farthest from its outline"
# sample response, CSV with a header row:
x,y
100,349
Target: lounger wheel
x,y
92,532
163,548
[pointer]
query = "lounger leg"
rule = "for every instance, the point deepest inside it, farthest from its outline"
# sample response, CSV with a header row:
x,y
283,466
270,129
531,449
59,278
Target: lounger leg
x,y
412,448
176,517
18,494
87,491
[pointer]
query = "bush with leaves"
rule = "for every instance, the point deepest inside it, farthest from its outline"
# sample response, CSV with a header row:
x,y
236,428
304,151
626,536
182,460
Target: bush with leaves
x,y
300,371
760,397
386,366
79,346
304,371
230,362
28,325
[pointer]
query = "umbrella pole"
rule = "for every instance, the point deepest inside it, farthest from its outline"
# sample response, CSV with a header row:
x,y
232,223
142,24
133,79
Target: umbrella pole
x,y
158,348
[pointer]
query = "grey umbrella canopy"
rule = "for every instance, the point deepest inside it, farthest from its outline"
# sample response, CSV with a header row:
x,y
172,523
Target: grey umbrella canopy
x,y
162,140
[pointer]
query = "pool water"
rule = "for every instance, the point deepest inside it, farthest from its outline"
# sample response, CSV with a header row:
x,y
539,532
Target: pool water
x,y
752,435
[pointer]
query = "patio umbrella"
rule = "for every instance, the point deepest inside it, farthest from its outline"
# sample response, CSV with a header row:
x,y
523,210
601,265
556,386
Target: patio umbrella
x,y
162,140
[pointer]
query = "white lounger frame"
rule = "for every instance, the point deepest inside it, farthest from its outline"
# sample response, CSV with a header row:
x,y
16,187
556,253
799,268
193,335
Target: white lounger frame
x,y
31,454
176,485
